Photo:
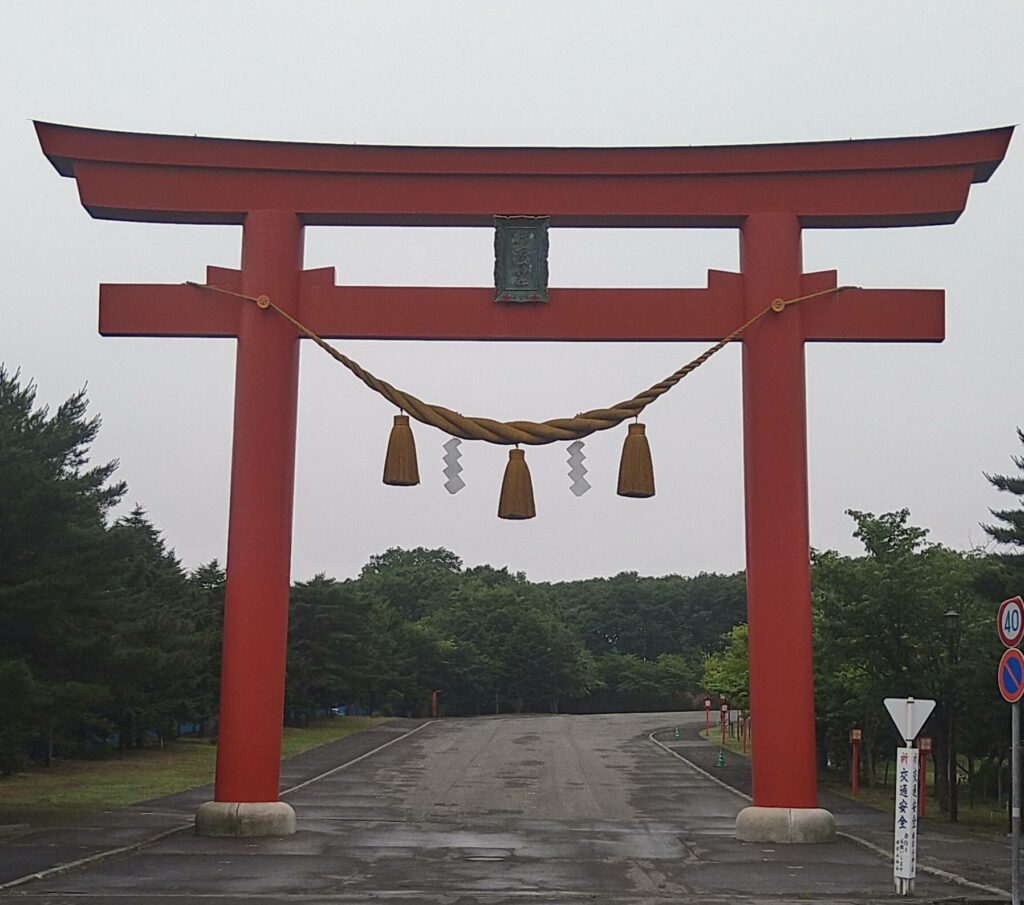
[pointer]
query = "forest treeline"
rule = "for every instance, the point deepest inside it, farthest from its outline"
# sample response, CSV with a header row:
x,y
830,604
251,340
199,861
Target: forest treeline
x,y
106,641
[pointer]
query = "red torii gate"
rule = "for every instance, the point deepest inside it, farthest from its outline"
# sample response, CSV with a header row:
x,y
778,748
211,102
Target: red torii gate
x,y
768,192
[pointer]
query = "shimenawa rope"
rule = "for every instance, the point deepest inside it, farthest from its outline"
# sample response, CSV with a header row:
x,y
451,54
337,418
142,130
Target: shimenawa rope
x,y
528,433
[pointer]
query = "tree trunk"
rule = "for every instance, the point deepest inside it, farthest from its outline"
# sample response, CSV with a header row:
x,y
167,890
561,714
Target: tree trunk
x,y
939,754
999,780
970,778
867,748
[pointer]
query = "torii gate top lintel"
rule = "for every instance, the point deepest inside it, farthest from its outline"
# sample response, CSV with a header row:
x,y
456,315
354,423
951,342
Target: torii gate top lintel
x,y
856,183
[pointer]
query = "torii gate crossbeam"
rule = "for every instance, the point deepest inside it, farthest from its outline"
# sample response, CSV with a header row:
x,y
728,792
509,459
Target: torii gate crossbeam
x,y
770,193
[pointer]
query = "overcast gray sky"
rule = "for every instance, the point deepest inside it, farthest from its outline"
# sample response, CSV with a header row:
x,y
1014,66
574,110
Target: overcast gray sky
x,y
889,426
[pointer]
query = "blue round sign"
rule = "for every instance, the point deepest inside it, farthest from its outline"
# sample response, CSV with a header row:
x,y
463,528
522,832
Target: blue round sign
x,y
1011,675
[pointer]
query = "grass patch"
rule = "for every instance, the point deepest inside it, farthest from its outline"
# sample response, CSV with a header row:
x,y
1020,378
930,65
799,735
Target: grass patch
x,y
320,732
733,744
45,796
984,816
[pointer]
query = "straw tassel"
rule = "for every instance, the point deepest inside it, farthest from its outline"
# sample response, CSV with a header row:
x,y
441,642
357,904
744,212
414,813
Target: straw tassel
x,y
636,471
400,469
516,488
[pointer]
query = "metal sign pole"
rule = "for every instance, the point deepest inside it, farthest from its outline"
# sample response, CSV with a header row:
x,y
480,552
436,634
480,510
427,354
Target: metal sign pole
x,y
1015,812
1010,679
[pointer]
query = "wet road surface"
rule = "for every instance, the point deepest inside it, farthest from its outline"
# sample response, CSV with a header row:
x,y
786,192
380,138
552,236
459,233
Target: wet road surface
x,y
540,809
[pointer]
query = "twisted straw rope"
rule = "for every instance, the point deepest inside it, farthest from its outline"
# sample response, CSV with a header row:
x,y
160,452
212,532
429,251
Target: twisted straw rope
x,y
530,433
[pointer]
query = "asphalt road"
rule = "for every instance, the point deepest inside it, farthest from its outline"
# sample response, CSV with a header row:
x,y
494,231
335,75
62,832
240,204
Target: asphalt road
x,y
539,809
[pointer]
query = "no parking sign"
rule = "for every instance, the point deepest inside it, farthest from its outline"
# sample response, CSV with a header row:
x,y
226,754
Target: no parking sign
x,y
1011,675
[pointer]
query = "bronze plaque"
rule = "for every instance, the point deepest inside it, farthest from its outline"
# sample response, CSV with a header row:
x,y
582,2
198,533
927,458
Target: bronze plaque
x,y
521,259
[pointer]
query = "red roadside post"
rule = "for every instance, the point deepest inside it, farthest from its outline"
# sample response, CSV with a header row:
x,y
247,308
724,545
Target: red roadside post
x,y
744,720
707,716
725,719
433,702
924,745
855,735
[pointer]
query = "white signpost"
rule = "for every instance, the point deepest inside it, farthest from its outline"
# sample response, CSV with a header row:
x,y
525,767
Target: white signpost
x,y
904,852
909,715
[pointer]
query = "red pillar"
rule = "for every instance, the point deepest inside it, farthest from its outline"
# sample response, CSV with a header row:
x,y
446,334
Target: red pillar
x,y
855,770
775,477
260,521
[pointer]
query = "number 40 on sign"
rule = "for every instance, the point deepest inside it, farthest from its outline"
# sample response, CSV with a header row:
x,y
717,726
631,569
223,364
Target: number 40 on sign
x,y
1010,621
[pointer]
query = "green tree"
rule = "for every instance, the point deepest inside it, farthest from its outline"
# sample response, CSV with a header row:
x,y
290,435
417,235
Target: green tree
x,y
711,604
507,649
18,703
631,683
347,644
1011,530
55,573
625,614
327,656
152,652
650,635
413,582
630,614
206,606
728,672
879,632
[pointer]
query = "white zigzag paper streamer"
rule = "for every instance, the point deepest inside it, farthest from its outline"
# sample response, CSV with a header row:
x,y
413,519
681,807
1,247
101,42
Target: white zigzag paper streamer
x,y
452,467
580,485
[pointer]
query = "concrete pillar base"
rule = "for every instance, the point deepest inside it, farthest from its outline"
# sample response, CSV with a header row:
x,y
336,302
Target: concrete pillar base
x,y
245,818
785,825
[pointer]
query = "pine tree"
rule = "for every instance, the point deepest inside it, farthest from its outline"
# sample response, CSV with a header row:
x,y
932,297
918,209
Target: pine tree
x,y
54,573
206,602
153,654
1011,531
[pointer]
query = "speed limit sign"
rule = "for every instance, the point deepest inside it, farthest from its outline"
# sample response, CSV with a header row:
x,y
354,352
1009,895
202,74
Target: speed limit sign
x,y
1010,621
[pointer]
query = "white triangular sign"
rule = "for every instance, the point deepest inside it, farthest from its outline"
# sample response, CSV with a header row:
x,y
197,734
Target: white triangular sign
x,y
909,715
